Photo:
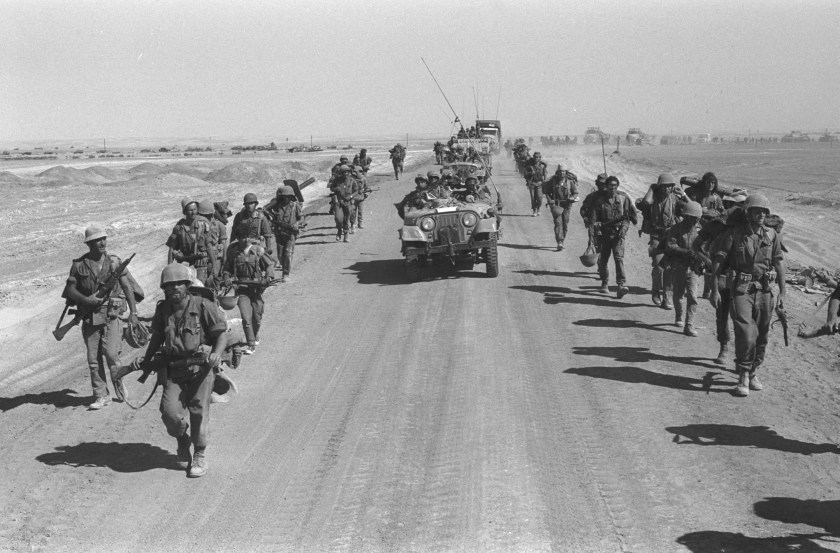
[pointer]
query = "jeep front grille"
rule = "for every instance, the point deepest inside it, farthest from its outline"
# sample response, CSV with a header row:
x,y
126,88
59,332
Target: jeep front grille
x,y
448,225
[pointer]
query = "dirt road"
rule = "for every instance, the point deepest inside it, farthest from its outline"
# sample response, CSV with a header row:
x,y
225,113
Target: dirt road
x,y
461,413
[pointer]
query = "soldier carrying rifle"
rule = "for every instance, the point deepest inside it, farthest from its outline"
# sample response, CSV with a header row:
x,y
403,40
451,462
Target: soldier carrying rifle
x,y
190,332
286,216
611,215
100,288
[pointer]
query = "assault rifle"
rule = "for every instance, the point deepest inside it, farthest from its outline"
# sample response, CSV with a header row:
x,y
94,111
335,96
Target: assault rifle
x,y
256,282
199,357
82,311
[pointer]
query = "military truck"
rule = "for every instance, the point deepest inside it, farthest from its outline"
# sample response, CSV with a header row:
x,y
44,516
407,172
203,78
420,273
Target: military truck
x,y
456,233
593,135
491,129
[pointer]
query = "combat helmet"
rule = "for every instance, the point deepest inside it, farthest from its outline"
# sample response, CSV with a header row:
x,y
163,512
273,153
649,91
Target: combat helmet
x,y
250,198
205,207
94,232
758,201
666,179
185,202
285,191
434,173
175,272
693,209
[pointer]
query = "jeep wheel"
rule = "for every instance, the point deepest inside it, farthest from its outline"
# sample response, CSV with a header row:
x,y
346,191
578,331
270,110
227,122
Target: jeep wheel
x,y
412,270
491,257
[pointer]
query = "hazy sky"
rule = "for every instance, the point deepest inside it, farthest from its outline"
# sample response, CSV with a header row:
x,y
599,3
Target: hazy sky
x,y
88,69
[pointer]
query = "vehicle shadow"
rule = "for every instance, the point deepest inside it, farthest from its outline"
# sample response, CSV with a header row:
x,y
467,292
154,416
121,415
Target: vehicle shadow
x,y
709,541
760,437
813,512
626,354
638,375
59,399
119,457
625,323
384,272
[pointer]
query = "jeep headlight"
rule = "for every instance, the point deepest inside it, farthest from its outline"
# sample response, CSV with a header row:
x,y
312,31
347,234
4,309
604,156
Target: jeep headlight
x,y
427,223
472,169
469,219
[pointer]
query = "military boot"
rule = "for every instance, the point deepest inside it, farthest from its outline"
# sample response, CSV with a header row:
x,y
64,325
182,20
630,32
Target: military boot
x,y
198,468
352,228
755,383
721,356
742,388
666,303
689,330
604,289
346,237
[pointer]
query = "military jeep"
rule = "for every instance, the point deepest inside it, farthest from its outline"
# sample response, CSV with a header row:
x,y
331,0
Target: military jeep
x,y
464,169
456,233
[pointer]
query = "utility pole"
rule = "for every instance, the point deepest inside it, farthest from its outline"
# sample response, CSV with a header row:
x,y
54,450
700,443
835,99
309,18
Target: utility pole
x,y
104,147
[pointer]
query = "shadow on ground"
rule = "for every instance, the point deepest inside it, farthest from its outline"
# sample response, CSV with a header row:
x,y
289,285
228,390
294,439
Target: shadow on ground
x,y
625,323
129,457
59,399
761,437
525,247
729,542
385,272
638,375
627,354
576,274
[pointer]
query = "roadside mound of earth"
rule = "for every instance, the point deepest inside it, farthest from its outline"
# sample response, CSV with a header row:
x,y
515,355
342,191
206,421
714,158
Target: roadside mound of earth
x,y
245,172
145,169
10,178
825,198
184,169
61,175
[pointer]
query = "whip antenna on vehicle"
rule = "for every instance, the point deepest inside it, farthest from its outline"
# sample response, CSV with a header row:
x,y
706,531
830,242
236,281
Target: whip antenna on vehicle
x,y
603,153
458,120
498,101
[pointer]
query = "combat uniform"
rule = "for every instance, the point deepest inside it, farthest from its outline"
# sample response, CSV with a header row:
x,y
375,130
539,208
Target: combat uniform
x,y
287,220
101,330
346,190
191,243
249,264
560,192
612,217
218,231
751,256
259,228
358,213
535,177
186,391
678,242
663,215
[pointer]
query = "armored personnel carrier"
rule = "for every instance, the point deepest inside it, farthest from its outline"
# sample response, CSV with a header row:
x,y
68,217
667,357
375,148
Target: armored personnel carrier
x,y
456,232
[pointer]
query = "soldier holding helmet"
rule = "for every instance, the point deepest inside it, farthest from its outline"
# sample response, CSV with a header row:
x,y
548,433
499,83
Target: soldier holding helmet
x,y
610,217
686,265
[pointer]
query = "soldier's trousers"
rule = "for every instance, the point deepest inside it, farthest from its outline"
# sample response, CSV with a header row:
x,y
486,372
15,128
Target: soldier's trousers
x,y
343,217
398,168
684,283
251,307
751,316
612,244
536,195
285,250
186,406
660,278
103,344
722,315
359,212
561,222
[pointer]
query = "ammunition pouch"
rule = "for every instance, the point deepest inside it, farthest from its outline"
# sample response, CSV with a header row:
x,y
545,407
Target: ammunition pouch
x,y
746,283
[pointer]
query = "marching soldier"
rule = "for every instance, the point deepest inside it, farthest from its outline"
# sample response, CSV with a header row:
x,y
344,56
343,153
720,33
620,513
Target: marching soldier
x,y
221,213
686,265
754,253
560,192
363,160
247,262
335,173
397,158
661,201
190,241
535,172
346,190
257,226
286,216
438,150
190,330
102,329
586,207
706,194
611,216
216,234
358,214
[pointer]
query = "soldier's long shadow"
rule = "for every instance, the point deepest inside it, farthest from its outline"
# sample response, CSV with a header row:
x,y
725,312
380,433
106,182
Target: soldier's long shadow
x,y
59,399
125,457
709,541
760,437
316,242
626,354
624,323
638,375
553,295
814,512
525,247
577,274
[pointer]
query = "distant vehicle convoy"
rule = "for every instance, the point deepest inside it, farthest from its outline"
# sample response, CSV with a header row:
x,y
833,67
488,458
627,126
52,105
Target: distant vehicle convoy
x,y
593,135
635,137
